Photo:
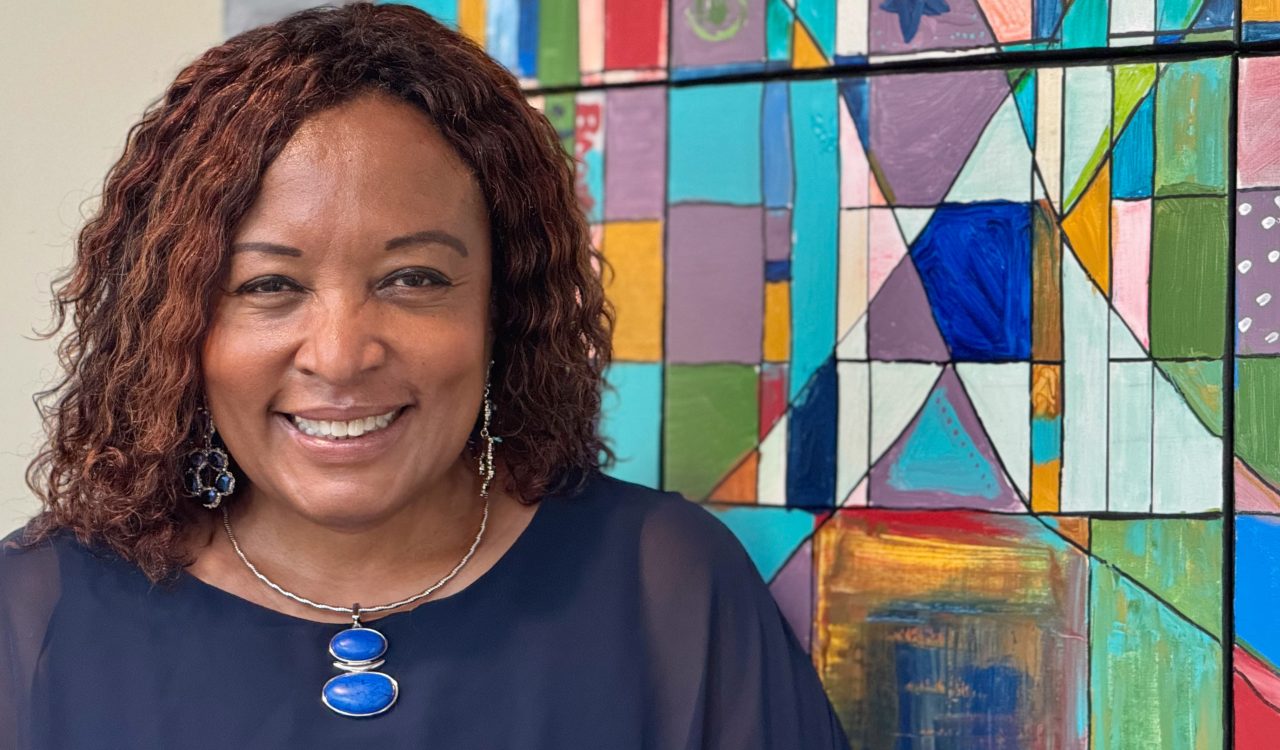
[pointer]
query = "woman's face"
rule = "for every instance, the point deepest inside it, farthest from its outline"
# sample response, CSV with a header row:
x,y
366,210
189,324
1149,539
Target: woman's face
x,y
357,301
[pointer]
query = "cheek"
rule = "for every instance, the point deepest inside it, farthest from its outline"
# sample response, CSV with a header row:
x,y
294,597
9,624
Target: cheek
x,y
236,361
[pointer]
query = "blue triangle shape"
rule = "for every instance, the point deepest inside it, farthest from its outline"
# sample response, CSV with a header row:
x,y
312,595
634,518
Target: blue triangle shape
x,y
1024,95
770,535
940,456
856,93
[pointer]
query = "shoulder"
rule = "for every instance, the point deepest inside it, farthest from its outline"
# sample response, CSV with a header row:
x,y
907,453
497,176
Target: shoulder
x,y
669,531
47,563
21,559
32,581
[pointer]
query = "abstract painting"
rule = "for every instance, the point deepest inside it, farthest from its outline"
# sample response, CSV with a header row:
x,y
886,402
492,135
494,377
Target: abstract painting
x,y
945,350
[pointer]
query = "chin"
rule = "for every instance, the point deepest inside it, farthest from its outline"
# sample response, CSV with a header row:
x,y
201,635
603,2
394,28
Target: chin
x,y
353,510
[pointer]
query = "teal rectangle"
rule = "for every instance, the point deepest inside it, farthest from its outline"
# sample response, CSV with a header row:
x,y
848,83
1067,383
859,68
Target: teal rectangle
x,y
715,144
820,18
1175,15
815,220
632,420
444,11
1085,24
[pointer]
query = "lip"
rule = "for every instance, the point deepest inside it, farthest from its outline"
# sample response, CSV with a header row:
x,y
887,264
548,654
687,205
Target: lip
x,y
343,414
347,450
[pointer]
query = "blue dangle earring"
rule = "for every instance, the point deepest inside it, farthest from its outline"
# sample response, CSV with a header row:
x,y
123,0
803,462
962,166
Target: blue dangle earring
x,y
207,469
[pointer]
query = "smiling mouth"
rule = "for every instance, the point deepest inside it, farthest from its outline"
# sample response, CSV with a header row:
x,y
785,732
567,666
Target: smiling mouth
x,y
344,430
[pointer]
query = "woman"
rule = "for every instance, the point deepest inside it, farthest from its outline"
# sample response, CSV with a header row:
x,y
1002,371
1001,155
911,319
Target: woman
x,y
324,467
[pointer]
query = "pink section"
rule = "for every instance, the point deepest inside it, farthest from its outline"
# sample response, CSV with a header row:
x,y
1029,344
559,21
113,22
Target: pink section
x,y
1266,682
877,197
887,248
854,170
1009,19
1259,102
591,35
857,498
1131,264
1252,493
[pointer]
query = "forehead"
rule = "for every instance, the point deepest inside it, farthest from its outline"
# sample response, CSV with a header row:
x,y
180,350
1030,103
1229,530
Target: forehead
x,y
375,158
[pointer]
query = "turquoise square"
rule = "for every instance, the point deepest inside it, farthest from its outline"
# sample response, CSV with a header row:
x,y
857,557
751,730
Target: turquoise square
x,y
715,144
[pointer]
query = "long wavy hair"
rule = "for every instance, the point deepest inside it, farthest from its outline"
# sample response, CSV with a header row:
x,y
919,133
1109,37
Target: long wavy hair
x,y
140,293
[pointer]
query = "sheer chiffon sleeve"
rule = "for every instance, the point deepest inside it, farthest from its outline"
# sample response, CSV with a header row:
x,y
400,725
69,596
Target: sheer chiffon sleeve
x,y
29,589
726,669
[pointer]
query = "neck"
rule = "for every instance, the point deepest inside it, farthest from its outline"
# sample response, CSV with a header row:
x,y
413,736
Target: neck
x,y
373,563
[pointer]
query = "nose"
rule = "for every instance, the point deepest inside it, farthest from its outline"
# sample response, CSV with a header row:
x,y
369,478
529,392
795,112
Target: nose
x,y
344,340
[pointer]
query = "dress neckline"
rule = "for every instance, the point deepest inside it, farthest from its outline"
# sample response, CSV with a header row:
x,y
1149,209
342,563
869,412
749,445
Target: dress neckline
x,y
523,541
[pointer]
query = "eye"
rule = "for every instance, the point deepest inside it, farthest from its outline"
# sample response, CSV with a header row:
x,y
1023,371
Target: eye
x,y
268,285
416,278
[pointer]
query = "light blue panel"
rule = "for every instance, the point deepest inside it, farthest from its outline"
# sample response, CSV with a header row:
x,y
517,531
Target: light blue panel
x,y
815,227
593,160
502,32
1129,470
1257,584
1187,458
715,144
1046,439
1085,375
1133,158
819,16
1086,122
770,535
444,11
632,420
778,180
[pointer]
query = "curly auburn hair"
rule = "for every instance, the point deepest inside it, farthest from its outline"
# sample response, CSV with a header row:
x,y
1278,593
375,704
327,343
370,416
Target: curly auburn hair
x,y
140,293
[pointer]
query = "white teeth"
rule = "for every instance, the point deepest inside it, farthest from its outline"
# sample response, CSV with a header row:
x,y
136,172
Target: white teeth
x,y
337,430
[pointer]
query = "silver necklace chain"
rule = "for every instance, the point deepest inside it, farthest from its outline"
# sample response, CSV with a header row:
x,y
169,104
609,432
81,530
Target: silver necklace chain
x,y
226,522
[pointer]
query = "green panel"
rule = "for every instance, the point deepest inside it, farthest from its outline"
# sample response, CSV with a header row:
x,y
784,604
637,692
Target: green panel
x,y
1258,415
1200,384
561,110
557,42
1155,679
1132,82
711,421
1178,559
1188,277
1221,35
1192,102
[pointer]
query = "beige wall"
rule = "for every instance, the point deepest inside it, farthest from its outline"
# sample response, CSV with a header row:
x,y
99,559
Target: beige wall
x,y
74,75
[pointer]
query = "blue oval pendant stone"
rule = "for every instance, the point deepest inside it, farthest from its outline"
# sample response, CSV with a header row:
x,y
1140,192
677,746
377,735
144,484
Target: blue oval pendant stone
x,y
358,644
360,693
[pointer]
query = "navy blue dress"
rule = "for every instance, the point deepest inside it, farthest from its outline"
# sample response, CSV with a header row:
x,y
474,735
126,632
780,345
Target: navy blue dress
x,y
622,617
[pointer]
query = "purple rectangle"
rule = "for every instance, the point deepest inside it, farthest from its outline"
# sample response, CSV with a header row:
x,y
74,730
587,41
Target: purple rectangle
x,y
715,283
635,173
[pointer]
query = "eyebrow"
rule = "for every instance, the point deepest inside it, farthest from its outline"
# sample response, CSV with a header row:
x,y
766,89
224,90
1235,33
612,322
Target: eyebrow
x,y
269,248
429,237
